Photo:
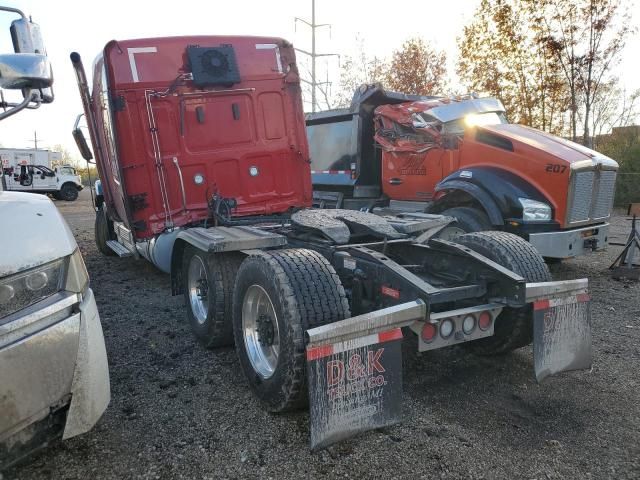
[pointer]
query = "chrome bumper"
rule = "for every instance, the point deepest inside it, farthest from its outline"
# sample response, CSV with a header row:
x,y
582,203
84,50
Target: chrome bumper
x,y
52,355
570,243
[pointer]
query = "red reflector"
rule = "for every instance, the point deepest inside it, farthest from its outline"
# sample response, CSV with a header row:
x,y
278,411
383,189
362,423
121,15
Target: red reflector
x,y
429,332
484,321
391,292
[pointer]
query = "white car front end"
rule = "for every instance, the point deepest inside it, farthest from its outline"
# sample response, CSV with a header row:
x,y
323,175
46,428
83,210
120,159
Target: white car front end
x,y
54,378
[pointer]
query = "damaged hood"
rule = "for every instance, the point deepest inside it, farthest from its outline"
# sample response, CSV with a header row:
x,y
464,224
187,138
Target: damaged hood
x,y
422,121
33,232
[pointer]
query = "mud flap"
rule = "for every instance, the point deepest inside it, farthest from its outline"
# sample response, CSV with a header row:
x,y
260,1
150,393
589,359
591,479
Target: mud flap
x,y
561,335
354,386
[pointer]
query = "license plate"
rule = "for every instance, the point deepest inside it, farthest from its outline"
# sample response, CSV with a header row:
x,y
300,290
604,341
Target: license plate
x,y
561,335
354,386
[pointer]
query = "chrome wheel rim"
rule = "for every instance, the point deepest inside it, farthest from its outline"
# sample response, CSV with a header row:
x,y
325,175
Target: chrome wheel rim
x,y
450,233
198,289
260,331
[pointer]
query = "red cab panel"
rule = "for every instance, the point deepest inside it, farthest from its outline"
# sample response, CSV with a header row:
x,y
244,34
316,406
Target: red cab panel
x,y
183,119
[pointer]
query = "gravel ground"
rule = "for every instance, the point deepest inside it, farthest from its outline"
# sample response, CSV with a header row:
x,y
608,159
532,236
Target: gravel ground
x,y
180,411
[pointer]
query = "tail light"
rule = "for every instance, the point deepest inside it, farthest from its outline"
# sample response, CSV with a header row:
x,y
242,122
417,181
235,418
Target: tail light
x,y
429,332
469,324
446,328
484,321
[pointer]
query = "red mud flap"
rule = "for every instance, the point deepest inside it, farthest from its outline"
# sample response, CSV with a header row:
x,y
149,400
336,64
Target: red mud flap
x,y
354,386
561,335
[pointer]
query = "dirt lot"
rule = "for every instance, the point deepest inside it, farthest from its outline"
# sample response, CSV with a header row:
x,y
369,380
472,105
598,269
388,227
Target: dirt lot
x,y
179,411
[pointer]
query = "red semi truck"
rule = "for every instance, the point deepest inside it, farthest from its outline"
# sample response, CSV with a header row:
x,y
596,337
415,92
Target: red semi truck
x,y
200,145
461,157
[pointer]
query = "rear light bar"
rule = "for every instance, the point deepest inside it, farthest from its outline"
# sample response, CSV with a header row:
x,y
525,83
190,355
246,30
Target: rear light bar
x,y
456,326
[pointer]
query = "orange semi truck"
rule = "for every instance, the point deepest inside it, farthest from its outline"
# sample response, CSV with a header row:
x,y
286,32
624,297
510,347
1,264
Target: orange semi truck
x,y
461,157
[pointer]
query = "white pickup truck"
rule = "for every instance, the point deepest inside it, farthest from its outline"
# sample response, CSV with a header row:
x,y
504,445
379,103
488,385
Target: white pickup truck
x,y
54,377
26,170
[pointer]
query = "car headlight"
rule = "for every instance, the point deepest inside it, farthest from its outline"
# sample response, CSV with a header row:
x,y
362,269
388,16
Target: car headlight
x,y
77,279
25,288
533,210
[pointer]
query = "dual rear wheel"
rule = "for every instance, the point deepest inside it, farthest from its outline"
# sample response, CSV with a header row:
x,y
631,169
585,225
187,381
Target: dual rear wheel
x,y
263,303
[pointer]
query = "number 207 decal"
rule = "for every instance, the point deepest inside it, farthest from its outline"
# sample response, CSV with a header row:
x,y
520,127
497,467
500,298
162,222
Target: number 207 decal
x,y
555,168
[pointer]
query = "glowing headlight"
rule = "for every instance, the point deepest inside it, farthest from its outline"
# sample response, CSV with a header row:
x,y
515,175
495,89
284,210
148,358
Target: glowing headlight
x,y
472,120
532,210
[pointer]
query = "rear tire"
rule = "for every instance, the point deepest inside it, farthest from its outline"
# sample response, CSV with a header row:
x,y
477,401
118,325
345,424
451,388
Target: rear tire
x,y
301,290
208,293
69,192
103,231
514,326
468,219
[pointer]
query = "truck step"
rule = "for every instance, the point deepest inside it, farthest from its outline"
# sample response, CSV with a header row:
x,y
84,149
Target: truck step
x,y
120,249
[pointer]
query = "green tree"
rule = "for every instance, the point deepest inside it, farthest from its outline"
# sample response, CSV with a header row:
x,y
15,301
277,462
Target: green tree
x,y
623,145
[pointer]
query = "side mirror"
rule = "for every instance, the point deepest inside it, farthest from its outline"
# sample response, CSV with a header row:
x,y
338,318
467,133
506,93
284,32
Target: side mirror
x,y
25,71
81,142
28,69
27,38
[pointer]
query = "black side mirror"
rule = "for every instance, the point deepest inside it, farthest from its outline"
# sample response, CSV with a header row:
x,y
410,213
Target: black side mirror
x,y
81,142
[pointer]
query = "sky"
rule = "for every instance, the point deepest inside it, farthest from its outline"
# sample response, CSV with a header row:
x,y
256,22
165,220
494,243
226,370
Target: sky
x,y
86,26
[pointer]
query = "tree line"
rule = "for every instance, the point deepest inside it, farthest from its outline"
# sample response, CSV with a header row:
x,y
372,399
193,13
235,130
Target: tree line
x,y
550,62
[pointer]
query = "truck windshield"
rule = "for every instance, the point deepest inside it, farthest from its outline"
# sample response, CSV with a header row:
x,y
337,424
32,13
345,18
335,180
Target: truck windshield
x,y
473,120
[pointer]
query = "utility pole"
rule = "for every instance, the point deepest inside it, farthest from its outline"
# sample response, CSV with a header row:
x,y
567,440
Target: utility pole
x,y
35,140
313,54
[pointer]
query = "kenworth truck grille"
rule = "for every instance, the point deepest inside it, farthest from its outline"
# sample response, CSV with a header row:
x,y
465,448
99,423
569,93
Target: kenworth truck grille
x,y
591,195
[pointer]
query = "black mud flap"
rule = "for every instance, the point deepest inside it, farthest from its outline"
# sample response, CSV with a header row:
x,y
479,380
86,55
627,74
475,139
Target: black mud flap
x,y
561,335
354,386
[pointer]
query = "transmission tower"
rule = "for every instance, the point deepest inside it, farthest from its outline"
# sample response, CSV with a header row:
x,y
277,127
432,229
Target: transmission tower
x,y
313,54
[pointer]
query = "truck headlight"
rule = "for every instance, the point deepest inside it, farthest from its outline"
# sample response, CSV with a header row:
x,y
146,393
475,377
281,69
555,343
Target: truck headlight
x,y
533,210
25,288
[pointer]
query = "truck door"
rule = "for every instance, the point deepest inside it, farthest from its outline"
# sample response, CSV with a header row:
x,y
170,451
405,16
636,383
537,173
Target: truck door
x,y
411,175
23,178
44,179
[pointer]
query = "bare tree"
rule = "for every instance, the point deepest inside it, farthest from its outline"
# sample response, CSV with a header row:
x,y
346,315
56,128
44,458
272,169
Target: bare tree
x,y
357,70
613,107
586,37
